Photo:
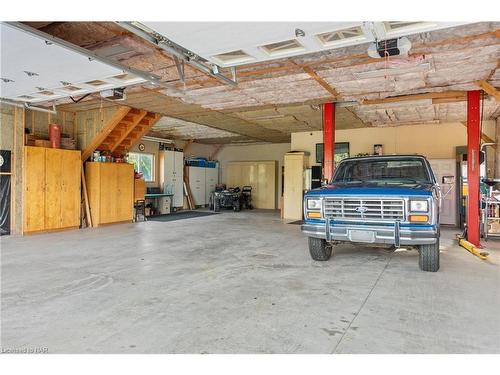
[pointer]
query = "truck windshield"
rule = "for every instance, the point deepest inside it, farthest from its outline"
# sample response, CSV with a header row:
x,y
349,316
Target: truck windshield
x,y
382,171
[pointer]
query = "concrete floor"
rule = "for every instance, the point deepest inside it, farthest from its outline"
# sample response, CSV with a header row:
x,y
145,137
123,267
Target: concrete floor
x,y
239,283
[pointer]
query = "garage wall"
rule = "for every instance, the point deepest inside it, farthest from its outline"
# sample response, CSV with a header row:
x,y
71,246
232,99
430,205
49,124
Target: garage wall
x,y
273,151
435,141
12,138
227,154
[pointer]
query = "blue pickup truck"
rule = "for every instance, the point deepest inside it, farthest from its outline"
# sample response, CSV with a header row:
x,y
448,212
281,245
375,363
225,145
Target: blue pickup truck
x,y
392,200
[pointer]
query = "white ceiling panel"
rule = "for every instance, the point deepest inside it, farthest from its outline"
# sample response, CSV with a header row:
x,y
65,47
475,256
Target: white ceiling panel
x,y
209,39
33,70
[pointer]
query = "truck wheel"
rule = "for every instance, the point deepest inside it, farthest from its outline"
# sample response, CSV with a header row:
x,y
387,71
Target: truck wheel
x,y
429,257
236,206
216,205
319,249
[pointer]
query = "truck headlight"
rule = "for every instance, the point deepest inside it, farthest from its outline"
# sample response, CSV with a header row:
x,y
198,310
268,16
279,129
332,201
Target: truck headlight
x,y
314,204
419,206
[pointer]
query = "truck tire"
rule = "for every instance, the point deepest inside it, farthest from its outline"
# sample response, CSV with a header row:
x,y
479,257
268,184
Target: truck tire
x,y
216,205
428,259
319,249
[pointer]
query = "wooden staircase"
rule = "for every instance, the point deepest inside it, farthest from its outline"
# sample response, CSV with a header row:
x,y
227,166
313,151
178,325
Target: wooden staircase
x,y
122,131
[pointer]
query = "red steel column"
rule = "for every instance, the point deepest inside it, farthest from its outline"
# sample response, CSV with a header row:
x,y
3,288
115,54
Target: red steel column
x,y
473,130
328,139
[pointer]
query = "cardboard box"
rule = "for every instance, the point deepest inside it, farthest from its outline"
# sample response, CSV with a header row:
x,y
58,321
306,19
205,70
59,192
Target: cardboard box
x,y
42,143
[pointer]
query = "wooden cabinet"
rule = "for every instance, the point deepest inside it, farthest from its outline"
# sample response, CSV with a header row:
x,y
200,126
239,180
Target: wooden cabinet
x,y
260,175
139,189
172,175
110,187
51,189
295,164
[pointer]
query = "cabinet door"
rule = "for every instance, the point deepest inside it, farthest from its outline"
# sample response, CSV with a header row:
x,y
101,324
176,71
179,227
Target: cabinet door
x,y
71,185
168,163
294,185
34,189
125,196
53,188
108,193
233,174
211,179
197,184
178,163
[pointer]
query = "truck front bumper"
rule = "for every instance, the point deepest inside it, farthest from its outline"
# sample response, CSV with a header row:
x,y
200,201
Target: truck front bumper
x,y
392,234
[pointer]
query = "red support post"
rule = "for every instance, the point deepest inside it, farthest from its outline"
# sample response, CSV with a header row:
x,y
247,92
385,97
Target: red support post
x,y
473,139
328,140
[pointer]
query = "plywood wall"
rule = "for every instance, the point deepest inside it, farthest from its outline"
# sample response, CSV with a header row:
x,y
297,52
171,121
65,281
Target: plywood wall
x,y
89,123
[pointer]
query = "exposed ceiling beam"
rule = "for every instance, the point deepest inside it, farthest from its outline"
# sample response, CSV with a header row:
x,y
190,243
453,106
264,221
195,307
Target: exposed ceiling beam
x,y
489,89
429,95
321,81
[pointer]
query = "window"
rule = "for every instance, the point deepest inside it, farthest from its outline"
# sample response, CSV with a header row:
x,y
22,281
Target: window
x,y
143,163
234,57
341,152
341,36
281,48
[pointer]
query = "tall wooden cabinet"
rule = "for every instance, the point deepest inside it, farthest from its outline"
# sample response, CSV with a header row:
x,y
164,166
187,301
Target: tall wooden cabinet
x,y
260,175
295,164
172,175
51,189
110,188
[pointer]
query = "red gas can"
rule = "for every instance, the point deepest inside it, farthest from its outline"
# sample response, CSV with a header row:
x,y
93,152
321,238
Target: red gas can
x,y
55,135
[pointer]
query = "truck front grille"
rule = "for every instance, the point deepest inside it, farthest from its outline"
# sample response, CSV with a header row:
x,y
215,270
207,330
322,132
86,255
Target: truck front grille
x,y
367,209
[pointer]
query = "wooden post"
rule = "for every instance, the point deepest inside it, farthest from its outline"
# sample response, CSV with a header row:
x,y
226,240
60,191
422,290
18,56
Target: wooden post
x,y
86,199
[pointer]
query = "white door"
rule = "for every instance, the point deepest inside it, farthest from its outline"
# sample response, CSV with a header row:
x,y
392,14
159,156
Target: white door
x,y
178,200
211,179
197,184
446,167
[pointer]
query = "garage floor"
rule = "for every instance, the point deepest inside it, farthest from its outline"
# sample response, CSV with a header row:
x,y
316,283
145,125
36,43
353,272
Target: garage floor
x,y
239,283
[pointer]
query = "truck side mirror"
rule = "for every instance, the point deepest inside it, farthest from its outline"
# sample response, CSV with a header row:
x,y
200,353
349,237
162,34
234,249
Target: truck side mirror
x,y
448,180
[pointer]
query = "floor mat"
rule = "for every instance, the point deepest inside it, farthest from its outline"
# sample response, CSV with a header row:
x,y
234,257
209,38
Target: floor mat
x,y
181,215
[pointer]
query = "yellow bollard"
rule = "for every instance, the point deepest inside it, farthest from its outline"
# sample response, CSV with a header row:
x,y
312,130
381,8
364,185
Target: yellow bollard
x,y
472,249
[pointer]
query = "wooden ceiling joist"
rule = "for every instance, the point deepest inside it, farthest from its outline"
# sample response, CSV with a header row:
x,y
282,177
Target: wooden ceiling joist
x,y
321,81
489,89
456,95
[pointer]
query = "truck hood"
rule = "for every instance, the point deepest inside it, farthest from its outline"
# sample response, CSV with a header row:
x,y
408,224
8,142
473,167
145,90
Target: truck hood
x,y
365,189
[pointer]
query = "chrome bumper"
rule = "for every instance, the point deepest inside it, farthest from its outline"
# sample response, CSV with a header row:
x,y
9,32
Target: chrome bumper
x,y
382,234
